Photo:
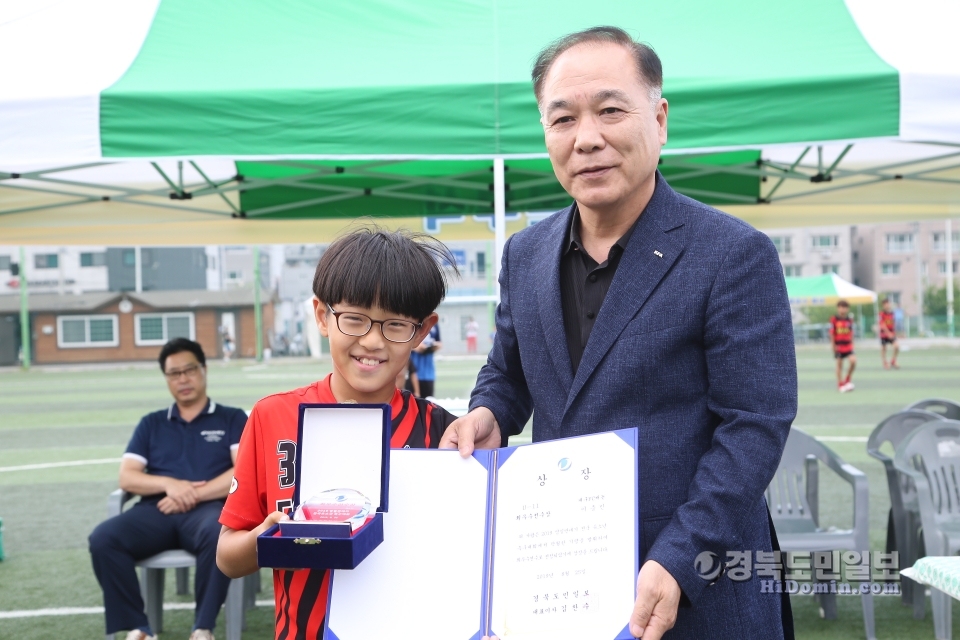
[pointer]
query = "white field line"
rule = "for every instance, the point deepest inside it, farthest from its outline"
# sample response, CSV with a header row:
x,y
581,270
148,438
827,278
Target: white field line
x,y
76,611
53,465
842,438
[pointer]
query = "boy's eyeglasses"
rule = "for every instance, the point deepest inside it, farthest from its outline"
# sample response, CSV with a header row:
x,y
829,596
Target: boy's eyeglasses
x,y
190,372
357,325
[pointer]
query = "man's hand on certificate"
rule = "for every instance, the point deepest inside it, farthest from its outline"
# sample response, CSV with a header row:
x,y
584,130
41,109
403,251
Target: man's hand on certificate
x,y
476,430
658,596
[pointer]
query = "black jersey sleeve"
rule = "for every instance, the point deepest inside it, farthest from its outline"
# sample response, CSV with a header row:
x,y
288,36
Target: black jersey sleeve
x,y
440,419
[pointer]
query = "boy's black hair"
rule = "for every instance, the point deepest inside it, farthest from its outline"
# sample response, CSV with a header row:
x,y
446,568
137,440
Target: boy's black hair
x,y
179,345
402,272
885,301
843,303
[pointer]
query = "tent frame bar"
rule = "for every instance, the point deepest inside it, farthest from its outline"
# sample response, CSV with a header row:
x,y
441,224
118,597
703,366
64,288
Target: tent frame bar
x,y
918,169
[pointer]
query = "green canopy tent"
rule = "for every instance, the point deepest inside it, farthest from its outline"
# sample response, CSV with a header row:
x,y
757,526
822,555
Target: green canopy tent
x,y
394,107
826,290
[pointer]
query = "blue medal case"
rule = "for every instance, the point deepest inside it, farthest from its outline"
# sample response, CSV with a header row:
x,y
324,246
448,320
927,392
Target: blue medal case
x,y
339,446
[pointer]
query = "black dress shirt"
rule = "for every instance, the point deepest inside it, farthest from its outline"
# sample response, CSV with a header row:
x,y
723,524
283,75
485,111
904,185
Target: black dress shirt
x,y
584,285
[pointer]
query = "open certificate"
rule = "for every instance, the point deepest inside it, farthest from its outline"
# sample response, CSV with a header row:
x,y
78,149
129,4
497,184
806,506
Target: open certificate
x,y
536,542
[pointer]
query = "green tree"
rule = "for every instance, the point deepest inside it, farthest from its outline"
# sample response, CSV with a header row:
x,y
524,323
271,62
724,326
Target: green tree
x,y
935,301
819,315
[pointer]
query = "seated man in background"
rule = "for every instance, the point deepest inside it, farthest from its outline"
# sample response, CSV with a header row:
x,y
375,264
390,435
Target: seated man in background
x,y
180,460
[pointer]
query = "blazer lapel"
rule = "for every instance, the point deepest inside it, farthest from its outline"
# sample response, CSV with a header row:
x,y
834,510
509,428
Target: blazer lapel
x,y
547,283
648,257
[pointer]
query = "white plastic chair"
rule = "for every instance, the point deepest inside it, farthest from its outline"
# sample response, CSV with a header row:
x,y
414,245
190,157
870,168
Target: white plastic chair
x,y
945,408
930,456
793,498
903,529
240,596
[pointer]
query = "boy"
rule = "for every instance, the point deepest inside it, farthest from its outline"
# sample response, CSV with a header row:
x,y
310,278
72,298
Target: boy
x,y
422,359
888,334
376,292
841,337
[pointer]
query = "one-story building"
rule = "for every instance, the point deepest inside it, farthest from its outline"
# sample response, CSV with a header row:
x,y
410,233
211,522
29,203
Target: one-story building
x,y
114,327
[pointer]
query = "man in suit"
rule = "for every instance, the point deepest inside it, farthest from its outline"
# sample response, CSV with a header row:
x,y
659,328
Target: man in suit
x,y
637,306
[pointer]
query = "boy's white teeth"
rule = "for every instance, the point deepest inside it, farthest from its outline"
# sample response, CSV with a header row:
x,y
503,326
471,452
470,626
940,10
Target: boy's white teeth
x,y
368,362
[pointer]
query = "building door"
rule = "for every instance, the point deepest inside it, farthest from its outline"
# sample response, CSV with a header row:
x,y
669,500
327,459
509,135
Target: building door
x,y
228,329
9,340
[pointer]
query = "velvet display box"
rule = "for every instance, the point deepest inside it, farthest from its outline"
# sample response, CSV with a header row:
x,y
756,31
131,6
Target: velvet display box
x,y
339,447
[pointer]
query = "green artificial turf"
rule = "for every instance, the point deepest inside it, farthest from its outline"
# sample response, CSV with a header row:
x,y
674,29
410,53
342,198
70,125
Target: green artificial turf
x,y
88,413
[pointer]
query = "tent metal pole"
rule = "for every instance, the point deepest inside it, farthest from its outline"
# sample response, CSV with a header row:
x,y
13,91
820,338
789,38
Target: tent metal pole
x,y
839,158
47,206
792,168
813,192
257,311
491,306
919,265
138,269
125,190
949,229
215,188
25,332
167,179
72,167
499,216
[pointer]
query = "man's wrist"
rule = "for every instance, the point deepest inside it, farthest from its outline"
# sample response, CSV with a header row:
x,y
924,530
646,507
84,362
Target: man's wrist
x,y
492,417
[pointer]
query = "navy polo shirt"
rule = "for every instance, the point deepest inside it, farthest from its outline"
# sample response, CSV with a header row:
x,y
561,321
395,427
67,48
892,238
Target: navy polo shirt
x,y
195,451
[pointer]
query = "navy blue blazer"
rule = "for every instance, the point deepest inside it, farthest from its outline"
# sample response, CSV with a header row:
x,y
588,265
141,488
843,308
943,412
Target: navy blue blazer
x,y
693,345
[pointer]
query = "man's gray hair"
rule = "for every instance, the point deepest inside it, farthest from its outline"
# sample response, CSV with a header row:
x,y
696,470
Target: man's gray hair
x,y
648,63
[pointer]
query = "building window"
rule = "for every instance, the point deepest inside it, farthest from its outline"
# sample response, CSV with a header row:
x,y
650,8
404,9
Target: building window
x,y
829,268
942,267
93,259
459,258
782,243
792,270
158,328
4,263
824,242
481,263
87,331
129,257
890,268
899,242
939,241
893,296
46,261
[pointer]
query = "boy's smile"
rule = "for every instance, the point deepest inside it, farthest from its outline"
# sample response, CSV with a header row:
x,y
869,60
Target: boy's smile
x,y
365,367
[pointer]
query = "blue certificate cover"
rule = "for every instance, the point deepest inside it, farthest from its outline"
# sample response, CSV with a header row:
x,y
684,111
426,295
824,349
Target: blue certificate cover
x,y
535,542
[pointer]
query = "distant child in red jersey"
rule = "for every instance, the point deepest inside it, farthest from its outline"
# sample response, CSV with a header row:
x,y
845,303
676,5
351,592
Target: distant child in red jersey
x,y
376,295
888,334
841,337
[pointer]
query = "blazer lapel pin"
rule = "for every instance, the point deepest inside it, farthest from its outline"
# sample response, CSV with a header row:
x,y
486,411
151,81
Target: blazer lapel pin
x,y
658,254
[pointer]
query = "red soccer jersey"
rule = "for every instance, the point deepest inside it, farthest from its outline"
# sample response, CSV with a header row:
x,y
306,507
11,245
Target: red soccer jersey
x,y
265,476
888,325
840,328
